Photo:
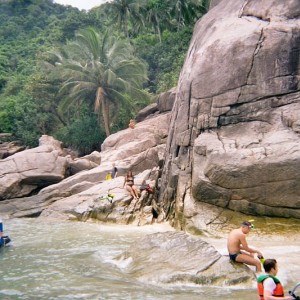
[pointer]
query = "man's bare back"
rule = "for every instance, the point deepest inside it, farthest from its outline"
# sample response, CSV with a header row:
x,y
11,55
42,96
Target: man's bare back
x,y
234,241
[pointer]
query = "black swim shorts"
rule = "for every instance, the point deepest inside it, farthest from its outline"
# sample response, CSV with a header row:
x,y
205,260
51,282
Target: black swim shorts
x,y
234,256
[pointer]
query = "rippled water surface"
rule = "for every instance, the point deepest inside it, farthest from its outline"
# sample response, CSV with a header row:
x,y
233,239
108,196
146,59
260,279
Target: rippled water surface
x,y
74,261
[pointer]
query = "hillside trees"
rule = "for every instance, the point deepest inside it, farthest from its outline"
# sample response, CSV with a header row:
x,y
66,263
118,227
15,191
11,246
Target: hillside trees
x,y
28,97
34,100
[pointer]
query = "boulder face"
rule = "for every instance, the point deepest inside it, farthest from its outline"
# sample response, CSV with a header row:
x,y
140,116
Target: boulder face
x,y
9,148
25,173
234,134
172,257
29,170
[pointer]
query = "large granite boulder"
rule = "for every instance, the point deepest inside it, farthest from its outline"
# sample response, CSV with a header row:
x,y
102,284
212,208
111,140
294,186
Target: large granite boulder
x,y
30,170
87,162
140,148
174,257
234,134
164,103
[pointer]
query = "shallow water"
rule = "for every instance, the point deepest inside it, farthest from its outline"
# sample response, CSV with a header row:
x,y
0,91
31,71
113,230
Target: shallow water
x,y
72,260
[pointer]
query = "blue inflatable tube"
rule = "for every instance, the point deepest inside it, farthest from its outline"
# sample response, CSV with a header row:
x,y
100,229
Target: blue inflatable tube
x,y
4,240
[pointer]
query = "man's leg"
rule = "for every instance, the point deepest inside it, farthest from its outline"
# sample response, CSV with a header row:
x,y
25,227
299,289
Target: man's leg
x,y
249,260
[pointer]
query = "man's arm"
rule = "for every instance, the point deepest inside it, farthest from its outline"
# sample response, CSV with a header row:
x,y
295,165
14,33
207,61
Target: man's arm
x,y
268,296
244,246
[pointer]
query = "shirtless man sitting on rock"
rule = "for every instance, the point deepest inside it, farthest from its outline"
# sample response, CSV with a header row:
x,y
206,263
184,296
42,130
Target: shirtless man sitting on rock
x,y
238,248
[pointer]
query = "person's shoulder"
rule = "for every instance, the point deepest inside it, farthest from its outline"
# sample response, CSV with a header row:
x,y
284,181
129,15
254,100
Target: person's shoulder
x,y
269,284
237,231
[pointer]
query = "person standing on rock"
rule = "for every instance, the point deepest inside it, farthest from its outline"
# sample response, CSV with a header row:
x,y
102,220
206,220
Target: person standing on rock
x,y
268,285
238,248
114,171
129,185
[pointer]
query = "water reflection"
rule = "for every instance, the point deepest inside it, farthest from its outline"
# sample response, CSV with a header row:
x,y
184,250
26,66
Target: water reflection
x,y
73,261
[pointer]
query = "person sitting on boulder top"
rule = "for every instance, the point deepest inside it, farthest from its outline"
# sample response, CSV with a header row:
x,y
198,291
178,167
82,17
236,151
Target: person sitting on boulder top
x,y
238,248
268,285
129,185
131,124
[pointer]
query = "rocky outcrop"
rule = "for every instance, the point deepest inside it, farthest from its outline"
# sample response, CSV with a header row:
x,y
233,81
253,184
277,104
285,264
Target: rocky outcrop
x,y
28,171
234,135
108,202
174,257
84,194
10,148
87,162
137,149
164,103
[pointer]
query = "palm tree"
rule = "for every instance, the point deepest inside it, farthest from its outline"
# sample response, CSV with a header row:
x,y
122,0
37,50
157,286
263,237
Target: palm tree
x,y
186,12
124,10
100,70
157,15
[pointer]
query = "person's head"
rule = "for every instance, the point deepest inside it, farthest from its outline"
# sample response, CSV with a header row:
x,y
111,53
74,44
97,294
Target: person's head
x,y
129,173
247,226
270,266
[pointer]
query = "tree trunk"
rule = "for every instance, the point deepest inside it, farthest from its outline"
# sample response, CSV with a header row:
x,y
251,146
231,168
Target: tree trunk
x,y
105,114
101,103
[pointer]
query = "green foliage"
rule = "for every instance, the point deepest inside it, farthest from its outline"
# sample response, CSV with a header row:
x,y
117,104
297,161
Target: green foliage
x,y
159,31
164,59
21,116
82,134
7,112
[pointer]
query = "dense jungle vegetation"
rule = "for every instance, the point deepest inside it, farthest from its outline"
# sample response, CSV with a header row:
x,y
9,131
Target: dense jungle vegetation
x,y
81,75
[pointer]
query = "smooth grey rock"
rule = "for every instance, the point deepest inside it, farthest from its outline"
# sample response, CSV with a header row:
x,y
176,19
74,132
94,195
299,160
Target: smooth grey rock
x,y
171,257
234,136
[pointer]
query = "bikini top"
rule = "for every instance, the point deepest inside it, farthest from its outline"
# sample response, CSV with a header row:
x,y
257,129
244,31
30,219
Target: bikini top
x,y
129,180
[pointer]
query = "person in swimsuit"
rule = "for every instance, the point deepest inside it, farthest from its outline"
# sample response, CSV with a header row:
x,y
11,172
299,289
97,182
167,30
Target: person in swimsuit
x,y
129,185
238,248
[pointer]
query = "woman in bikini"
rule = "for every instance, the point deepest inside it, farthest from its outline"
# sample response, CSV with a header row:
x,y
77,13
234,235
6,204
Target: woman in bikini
x,y
129,185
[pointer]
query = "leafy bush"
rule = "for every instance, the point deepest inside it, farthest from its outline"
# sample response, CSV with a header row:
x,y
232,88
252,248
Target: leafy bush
x,y
83,134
